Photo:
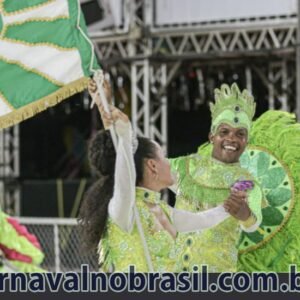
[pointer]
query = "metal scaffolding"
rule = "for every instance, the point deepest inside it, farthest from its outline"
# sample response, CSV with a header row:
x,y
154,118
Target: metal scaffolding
x,y
151,57
10,169
154,54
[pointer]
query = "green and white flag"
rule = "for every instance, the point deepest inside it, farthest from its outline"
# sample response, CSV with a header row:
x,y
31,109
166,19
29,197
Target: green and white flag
x,y
45,56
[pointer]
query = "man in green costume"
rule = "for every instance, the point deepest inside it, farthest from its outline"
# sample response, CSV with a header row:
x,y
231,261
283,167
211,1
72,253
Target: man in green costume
x,y
205,181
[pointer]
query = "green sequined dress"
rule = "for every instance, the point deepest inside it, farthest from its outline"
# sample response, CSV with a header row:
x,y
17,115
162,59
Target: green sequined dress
x,y
119,249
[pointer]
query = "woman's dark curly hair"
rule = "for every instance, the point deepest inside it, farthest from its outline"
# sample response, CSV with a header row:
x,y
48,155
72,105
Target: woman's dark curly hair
x,y
102,157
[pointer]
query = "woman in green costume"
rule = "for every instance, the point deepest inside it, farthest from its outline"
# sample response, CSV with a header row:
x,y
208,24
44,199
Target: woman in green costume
x,y
114,206
111,204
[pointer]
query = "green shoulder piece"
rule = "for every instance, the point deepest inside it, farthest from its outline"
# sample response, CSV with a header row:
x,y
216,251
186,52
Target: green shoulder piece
x,y
177,164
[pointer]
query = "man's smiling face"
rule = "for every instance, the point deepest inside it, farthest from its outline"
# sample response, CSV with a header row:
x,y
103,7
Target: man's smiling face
x,y
228,143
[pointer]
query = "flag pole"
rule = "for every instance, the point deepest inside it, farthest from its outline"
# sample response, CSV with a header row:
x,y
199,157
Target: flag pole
x,y
99,79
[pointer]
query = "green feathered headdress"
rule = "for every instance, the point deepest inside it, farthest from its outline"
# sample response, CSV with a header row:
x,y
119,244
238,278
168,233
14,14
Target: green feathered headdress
x,y
232,107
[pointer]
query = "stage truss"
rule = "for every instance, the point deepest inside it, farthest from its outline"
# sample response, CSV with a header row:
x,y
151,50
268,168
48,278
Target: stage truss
x,y
151,57
154,55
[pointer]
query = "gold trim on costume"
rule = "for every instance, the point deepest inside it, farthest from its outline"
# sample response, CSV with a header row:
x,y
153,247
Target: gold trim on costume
x,y
50,45
6,26
14,62
43,19
33,108
261,231
250,221
1,6
6,101
3,31
16,12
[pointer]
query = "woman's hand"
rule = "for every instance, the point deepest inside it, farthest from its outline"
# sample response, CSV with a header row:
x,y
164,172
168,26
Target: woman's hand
x,y
112,117
237,206
92,88
93,91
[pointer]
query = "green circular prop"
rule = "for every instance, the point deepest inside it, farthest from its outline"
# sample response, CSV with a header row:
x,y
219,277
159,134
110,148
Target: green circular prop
x,y
277,186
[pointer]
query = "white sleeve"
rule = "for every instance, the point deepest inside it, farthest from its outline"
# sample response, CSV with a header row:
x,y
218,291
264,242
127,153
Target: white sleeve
x,y
121,205
252,228
185,221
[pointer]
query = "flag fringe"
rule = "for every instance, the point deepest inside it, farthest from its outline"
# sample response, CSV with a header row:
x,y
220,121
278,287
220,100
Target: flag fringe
x,y
34,108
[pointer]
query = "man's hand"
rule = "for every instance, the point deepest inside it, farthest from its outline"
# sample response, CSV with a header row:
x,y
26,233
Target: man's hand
x,y
237,206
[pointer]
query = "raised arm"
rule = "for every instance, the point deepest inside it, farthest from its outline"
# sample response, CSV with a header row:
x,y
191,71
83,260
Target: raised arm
x,y
121,205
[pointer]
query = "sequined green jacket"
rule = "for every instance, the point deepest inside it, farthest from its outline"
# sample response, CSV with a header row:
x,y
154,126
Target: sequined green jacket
x,y
203,183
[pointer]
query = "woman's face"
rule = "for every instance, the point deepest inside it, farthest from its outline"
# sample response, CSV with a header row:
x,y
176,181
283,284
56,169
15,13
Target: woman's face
x,y
164,176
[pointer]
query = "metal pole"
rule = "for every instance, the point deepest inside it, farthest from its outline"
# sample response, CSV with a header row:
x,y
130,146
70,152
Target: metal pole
x,y
298,65
146,94
56,248
164,109
248,74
